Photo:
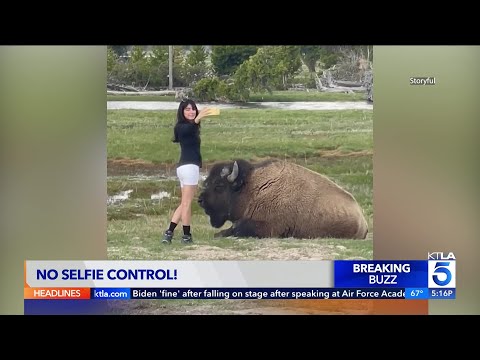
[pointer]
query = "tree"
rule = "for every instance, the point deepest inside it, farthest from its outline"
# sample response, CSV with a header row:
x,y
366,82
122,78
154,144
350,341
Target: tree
x,y
159,55
226,58
137,54
197,56
270,68
120,50
112,59
310,56
288,61
138,67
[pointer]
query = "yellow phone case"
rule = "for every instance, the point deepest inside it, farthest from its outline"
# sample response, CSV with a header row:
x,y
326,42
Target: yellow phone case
x,y
213,111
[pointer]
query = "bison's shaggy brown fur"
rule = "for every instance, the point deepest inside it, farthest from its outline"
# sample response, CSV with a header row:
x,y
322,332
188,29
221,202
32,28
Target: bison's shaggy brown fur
x,y
279,199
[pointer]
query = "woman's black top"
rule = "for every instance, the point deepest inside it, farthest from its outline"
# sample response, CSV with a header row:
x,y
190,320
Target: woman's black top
x,y
189,138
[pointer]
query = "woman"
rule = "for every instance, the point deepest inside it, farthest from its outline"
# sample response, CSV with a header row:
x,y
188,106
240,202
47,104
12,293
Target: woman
x,y
187,133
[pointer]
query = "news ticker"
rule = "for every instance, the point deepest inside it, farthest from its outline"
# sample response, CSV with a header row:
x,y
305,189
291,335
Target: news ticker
x,y
432,279
235,293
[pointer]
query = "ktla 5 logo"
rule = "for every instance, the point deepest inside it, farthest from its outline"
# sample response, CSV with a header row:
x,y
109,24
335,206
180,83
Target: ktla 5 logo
x,y
441,274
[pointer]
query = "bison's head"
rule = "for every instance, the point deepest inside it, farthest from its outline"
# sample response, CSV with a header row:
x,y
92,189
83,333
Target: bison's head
x,y
221,190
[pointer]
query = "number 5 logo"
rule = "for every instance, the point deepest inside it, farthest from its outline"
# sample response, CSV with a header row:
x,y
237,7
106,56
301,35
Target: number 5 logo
x,y
441,274
442,268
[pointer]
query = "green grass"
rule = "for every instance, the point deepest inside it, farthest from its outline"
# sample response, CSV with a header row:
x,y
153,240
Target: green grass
x,y
311,95
338,144
246,133
140,98
283,96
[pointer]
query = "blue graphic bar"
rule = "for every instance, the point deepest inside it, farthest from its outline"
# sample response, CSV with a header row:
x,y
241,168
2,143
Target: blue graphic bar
x,y
442,294
110,293
65,307
416,293
381,274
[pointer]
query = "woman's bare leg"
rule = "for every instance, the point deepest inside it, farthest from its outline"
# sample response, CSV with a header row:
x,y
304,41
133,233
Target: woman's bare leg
x,y
188,193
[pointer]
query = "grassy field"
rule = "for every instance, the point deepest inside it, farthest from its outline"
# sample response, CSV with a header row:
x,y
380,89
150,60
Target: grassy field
x,y
141,161
286,96
335,143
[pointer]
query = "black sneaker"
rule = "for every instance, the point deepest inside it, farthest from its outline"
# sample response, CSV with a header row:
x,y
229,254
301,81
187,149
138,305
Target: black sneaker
x,y
187,239
167,237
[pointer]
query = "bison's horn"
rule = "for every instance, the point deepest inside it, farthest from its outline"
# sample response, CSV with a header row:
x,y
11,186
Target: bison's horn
x,y
234,173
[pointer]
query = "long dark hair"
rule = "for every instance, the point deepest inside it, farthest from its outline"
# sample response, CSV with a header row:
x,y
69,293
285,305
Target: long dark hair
x,y
181,118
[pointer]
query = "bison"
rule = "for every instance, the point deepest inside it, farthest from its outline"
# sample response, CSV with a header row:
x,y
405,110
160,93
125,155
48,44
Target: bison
x,y
279,199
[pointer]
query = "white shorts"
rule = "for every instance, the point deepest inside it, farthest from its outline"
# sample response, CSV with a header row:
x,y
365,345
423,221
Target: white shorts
x,y
188,174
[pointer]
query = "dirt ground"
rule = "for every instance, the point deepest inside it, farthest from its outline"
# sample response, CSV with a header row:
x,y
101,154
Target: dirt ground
x,y
119,167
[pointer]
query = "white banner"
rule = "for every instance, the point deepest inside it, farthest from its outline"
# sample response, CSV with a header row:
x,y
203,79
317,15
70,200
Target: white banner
x,y
177,274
